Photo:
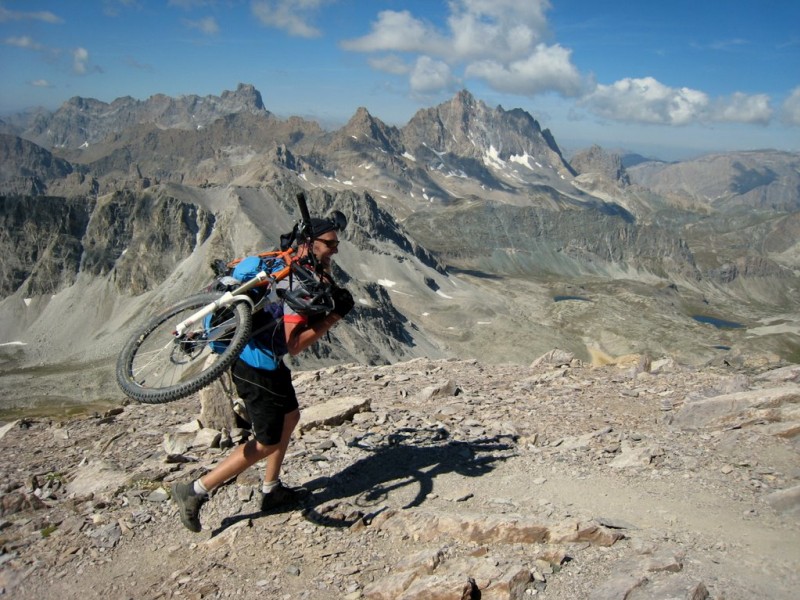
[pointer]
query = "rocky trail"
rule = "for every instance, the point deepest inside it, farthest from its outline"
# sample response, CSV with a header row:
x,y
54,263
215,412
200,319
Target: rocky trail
x,y
430,479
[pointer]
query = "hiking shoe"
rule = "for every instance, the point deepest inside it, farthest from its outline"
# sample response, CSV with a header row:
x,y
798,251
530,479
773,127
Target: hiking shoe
x,y
189,504
282,496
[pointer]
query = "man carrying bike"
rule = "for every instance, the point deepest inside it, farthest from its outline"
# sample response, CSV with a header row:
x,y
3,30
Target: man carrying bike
x,y
308,305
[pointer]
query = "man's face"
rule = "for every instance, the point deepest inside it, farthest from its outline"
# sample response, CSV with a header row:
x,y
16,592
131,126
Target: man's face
x,y
325,246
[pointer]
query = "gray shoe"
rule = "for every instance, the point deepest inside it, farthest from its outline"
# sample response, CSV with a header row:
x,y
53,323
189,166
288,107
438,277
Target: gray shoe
x,y
189,503
283,496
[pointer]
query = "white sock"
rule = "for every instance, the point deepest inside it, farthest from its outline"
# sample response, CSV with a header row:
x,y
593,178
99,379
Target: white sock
x,y
268,486
199,488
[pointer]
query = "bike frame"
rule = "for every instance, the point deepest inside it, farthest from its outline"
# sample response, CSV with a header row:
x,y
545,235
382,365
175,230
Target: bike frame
x,y
238,295
262,279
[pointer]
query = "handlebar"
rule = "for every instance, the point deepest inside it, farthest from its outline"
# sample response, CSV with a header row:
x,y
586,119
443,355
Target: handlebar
x,y
301,201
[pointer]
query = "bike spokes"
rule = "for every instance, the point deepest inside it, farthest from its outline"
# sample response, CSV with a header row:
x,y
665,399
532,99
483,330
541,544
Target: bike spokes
x,y
159,366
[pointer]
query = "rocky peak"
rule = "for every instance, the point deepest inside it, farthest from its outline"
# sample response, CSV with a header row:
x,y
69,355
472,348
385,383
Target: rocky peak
x,y
597,160
246,95
78,103
82,121
467,127
364,127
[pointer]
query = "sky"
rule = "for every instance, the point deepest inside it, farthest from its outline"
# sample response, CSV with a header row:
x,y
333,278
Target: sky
x,y
672,79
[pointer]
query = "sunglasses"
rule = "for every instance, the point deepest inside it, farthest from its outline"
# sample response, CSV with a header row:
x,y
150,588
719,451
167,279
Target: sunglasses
x,y
329,243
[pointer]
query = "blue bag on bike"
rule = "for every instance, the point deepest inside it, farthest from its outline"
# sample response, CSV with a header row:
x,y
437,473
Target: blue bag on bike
x,y
245,270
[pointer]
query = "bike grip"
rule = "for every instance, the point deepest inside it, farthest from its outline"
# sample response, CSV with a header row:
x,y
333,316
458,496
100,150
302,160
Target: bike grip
x,y
301,201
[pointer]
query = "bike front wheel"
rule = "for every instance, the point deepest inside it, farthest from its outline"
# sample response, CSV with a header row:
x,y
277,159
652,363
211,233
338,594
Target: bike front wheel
x,y
158,366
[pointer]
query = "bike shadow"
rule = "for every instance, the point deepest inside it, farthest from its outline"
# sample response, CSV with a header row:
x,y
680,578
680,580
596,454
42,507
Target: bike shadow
x,y
407,457
403,458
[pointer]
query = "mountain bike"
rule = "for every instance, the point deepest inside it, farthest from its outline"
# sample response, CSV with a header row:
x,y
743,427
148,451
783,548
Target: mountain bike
x,y
190,344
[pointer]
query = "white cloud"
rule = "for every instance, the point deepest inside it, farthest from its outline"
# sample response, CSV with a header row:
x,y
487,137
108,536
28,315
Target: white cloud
x,y
741,108
40,83
499,41
790,111
429,75
547,68
44,15
292,16
646,100
207,25
80,61
23,42
399,32
504,30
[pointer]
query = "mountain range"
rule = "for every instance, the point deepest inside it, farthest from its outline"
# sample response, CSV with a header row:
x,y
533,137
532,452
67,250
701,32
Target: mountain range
x,y
470,235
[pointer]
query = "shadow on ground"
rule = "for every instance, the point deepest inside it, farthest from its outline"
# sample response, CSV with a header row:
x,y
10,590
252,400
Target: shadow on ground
x,y
406,457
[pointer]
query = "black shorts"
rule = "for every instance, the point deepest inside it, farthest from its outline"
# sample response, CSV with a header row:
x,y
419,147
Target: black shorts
x,y
268,396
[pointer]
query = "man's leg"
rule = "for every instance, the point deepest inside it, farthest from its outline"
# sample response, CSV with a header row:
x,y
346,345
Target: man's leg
x,y
191,496
275,458
241,458
276,494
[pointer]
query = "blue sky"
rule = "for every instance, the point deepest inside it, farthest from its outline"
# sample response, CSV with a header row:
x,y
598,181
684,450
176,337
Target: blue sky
x,y
671,79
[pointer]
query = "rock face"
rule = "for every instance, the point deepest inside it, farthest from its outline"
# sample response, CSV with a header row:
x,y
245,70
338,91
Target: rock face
x,y
429,479
542,240
725,182
25,167
47,242
597,160
88,121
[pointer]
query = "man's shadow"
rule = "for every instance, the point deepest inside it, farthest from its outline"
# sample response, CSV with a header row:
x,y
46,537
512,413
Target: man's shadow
x,y
405,457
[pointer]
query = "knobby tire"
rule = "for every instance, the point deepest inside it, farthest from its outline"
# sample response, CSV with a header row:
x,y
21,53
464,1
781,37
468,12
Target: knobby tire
x,y
155,367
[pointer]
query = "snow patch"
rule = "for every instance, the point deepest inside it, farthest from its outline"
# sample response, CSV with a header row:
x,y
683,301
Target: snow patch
x,y
387,283
28,301
524,160
492,158
14,344
408,156
443,295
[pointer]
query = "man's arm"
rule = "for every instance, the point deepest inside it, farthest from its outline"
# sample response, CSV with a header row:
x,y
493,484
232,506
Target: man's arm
x,y
300,335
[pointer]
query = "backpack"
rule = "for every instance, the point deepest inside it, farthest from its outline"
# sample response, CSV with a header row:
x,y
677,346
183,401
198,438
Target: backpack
x,y
230,276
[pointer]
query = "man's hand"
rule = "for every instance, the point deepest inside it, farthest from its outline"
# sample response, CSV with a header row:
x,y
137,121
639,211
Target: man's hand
x,y
342,301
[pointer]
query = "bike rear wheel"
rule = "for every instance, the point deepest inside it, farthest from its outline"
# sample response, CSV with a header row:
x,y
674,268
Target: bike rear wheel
x,y
156,366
